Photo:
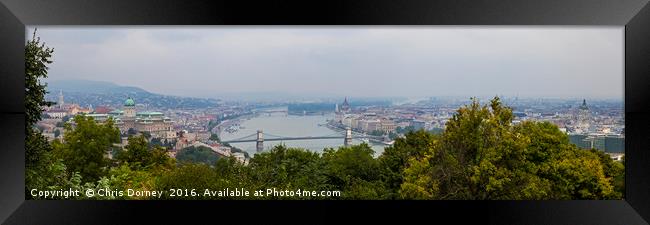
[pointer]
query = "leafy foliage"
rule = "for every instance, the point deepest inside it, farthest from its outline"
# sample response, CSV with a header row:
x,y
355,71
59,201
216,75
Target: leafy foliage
x,y
42,170
138,154
163,143
189,176
395,158
214,137
481,155
377,133
37,57
288,168
354,171
199,154
86,145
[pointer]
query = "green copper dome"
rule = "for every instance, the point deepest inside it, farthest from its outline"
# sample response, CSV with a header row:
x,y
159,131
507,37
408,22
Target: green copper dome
x,y
129,102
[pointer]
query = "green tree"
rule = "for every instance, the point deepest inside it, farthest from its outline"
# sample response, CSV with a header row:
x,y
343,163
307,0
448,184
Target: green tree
x,y
212,124
161,142
37,58
139,155
404,130
157,142
233,174
354,171
188,177
481,155
124,177
614,170
86,145
42,169
573,173
395,157
146,134
199,154
231,169
288,168
377,133
159,159
215,137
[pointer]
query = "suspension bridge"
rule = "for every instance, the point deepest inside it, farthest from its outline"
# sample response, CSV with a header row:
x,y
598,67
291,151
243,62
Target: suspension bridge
x,y
259,137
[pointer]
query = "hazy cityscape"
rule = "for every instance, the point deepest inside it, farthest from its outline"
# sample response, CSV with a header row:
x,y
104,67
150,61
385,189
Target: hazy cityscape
x,y
316,124
355,113
591,119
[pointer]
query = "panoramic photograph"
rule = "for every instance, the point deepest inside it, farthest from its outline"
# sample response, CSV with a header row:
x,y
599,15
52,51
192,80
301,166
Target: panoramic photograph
x,y
326,113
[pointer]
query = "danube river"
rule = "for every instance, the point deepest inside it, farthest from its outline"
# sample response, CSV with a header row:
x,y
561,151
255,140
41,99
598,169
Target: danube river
x,y
281,124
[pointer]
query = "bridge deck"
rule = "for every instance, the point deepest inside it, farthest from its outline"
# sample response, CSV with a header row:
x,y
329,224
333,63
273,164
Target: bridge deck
x,y
284,139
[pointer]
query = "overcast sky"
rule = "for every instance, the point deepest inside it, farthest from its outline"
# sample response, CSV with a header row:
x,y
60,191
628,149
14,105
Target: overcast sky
x,y
541,61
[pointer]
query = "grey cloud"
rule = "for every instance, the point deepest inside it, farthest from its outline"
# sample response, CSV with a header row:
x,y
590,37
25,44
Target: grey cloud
x,y
358,61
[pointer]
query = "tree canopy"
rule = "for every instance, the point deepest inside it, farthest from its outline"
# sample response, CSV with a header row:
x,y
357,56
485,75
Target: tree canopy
x,y
139,154
199,154
42,170
86,146
482,155
37,58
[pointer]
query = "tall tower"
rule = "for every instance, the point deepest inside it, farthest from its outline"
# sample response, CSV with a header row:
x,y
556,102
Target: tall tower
x,y
345,107
584,117
60,99
348,137
260,141
129,107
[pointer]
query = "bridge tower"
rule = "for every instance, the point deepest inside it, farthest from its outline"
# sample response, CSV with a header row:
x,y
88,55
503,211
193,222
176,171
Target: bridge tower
x,y
348,137
260,141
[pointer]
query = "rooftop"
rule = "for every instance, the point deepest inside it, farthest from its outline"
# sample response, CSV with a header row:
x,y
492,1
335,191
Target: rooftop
x,y
149,114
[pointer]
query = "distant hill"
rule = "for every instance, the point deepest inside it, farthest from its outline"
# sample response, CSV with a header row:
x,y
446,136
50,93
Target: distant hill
x,y
89,86
96,93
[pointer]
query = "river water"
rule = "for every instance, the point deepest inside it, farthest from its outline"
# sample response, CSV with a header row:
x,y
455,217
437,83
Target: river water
x,y
282,124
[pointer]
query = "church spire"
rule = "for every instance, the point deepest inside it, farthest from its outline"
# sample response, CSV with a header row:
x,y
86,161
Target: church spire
x,y
345,107
60,99
584,105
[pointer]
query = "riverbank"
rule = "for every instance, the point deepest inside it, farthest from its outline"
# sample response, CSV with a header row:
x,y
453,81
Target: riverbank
x,y
223,125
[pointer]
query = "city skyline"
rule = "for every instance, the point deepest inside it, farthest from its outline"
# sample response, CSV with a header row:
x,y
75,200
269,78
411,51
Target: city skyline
x,y
575,62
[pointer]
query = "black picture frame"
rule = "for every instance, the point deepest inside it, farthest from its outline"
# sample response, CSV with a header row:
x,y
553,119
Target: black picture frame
x,y
634,15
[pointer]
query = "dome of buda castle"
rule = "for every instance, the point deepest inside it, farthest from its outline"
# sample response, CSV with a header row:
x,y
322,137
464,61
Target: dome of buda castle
x,y
129,102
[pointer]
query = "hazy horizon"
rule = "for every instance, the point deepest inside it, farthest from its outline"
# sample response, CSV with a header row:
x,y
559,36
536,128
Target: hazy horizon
x,y
366,62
